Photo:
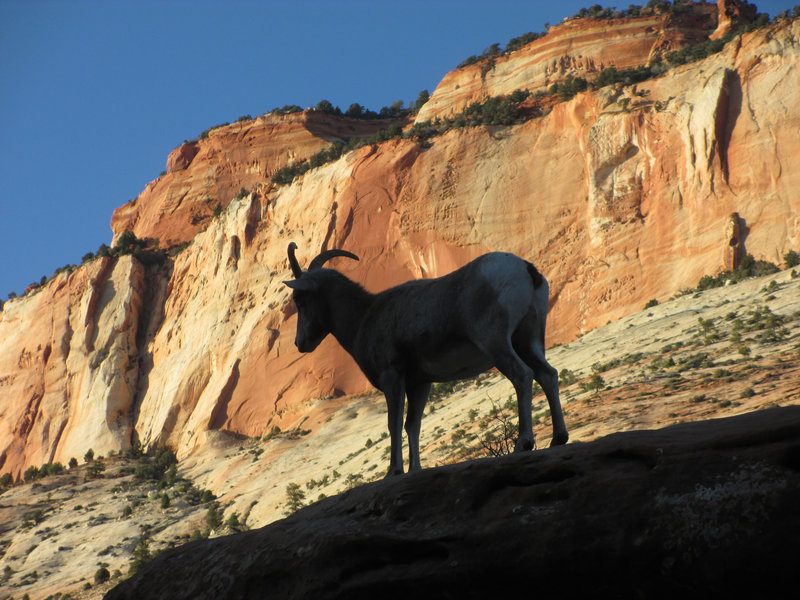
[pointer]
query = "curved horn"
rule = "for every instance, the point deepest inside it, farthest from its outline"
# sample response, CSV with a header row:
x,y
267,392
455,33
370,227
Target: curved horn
x,y
296,270
325,256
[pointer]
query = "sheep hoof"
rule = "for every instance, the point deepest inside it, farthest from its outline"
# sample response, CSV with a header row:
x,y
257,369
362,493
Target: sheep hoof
x,y
523,445
394,472
560,439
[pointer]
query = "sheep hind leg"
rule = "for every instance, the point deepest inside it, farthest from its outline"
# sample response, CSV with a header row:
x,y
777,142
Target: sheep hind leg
x,y
520,375
417,397
547,377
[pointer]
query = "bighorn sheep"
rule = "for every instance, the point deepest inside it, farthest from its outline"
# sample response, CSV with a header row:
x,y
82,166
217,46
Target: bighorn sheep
x,y
490,312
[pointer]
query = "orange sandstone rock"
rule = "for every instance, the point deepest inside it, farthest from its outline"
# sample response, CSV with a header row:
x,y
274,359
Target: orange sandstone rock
x,y
211,171
577,48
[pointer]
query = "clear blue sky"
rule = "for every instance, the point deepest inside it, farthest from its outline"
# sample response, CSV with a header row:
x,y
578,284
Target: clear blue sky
x,y
95,94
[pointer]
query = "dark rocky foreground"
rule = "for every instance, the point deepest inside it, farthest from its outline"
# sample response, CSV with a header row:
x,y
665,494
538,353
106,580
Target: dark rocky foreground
x,y
697,509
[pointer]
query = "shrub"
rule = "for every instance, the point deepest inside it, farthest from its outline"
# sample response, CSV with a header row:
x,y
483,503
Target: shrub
x,y
500,433
33,517
791,259
286,109
628,76
165,500
214,516
95,470
595,383
31,474
566,377
204,135
73,462
156,466
51,469
489,53
141,555
101,575
325,106
295,497
749,267
89,456
569,87
522,40
234,523
6,480
651,303
422,98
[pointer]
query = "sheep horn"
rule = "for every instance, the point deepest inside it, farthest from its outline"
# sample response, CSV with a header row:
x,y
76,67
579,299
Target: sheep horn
x,y
325,256
296,270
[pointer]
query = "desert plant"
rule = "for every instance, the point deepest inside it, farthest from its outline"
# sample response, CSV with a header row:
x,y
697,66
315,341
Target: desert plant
x,y
595,383
214,516
326,107
141,554
89,456
791,259
422,98
234,523
101,575
566,377
31,474
500,432
295,497
651,303
95,470
156,466
569,87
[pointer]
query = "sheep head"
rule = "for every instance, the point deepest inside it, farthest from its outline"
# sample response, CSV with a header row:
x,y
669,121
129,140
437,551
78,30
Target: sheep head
x,y
312,313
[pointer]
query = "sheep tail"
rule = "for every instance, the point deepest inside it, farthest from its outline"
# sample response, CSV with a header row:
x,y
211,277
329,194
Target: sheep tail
x,y
536,277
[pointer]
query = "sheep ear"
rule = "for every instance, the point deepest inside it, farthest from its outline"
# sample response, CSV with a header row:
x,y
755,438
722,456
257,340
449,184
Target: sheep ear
x,y
302,285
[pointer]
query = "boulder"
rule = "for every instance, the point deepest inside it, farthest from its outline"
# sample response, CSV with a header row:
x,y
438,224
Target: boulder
x,y
702,509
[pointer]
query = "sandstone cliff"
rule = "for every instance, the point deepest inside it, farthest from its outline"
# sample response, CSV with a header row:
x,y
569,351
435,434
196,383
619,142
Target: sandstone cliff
x,y
577,48
618,195
211,171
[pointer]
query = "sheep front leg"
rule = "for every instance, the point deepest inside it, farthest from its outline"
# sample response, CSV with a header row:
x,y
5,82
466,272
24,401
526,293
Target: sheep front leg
x,y
394,389
417,397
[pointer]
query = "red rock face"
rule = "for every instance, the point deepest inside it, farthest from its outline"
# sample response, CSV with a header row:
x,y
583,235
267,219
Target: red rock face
x,y
182,156
212,171
618,196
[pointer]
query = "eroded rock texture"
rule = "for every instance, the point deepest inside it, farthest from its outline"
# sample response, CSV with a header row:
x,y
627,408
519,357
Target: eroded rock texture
x,y
695,510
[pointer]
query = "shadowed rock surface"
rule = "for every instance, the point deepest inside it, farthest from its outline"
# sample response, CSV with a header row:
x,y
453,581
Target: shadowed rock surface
x,y
705,508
